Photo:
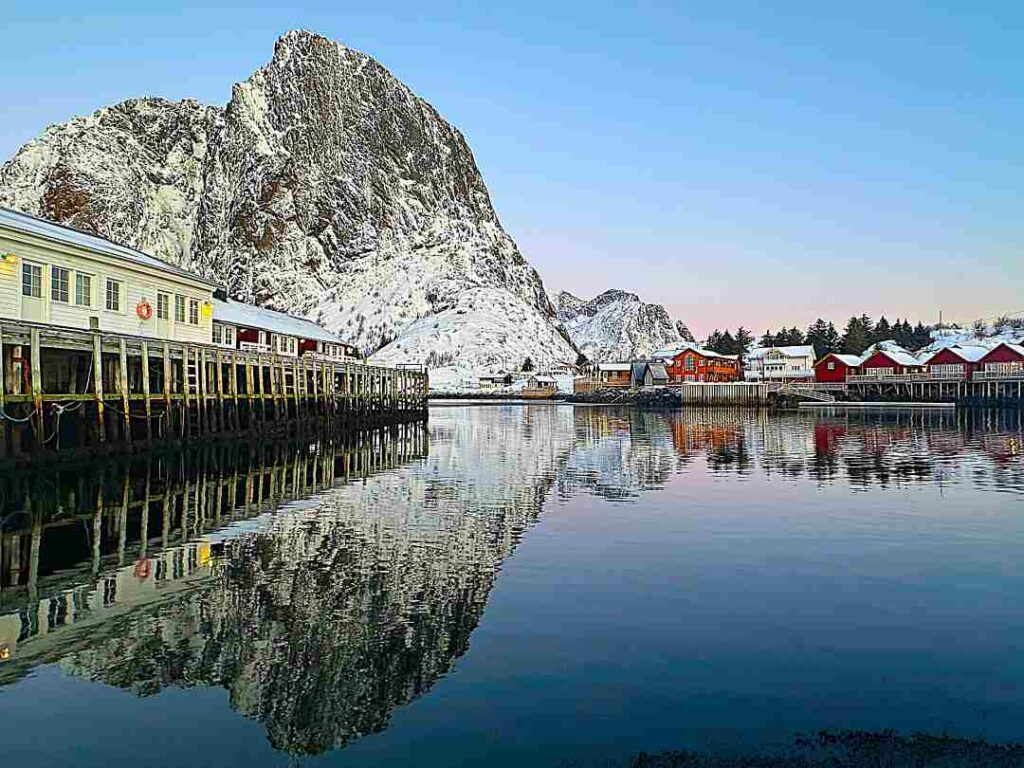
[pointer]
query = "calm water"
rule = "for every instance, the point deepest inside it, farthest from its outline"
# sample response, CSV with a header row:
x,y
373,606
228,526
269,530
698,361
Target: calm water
x,y
518,585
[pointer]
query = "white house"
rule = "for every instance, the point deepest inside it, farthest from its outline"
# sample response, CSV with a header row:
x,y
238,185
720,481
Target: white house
x,y
57,275
795,363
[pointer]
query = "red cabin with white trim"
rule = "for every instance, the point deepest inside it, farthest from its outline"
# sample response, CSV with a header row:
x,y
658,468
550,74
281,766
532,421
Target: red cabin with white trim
x,y
889,363
833,368
954,363
1005,360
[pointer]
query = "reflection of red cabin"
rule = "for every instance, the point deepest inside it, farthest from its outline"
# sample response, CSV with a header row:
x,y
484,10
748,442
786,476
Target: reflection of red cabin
x,y
886,363
833,368
1006,359
954,362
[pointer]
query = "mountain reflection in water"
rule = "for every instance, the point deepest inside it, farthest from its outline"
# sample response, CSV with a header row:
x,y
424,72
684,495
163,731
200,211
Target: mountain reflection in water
x,y
325,584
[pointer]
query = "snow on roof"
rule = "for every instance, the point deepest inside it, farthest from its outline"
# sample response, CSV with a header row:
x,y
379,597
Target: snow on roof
x,y
803,350
544,379
670,352
613,366
1019,349
851,360
251,316
898,356
58,233
971,353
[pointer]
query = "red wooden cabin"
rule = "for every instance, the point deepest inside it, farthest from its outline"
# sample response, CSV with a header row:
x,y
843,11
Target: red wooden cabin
x,y
1006,359
833,368
955,362
890,363
696,364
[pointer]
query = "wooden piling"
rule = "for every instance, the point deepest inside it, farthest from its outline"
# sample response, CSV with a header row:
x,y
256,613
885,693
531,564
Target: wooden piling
x,y
168,409
122,385
36,368
145,391
97,378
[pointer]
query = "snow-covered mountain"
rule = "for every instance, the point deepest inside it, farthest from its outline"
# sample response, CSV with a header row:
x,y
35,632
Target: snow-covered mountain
x,y
617,325
324,188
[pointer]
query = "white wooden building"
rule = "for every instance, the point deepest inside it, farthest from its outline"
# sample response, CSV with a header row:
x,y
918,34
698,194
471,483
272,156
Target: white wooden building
x,y
60,276
794,363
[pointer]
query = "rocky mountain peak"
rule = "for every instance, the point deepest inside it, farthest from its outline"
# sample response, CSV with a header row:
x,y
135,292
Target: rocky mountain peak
x,y
616,325
325,187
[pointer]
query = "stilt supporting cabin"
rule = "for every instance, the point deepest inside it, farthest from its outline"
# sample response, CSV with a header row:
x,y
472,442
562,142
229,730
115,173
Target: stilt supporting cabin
x,y
69,389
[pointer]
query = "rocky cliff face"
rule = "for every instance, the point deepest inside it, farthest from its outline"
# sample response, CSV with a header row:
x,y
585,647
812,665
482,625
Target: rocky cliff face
x,y
324,188
617,325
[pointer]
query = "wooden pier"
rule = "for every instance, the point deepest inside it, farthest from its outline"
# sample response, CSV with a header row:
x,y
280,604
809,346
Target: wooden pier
x,y
69,389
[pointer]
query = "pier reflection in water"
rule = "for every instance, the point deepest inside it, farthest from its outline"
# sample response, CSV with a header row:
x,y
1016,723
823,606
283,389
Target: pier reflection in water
x,y
326,585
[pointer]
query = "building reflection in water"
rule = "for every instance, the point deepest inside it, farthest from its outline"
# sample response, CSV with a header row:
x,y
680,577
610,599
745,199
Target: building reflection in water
x,y
325,583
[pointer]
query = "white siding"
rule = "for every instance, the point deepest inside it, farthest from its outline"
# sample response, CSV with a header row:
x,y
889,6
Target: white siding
x,y
139,284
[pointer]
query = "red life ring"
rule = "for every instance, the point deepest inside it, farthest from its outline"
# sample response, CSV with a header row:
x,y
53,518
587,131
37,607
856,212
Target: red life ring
x,y
144,310
142,569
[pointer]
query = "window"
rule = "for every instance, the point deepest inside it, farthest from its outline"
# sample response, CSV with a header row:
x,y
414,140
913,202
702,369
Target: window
x,y
690,360
163,309
31,280
218,334
193,311
114,291
60,284
179,308
831,366
229,336
83,290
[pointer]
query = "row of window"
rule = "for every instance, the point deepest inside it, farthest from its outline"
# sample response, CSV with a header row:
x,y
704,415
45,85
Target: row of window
x,y
224,335
113,292
60,284
285,344
334,350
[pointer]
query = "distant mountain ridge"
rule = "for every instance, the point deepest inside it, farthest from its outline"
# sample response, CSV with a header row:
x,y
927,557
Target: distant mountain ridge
x,y
324,188
617,325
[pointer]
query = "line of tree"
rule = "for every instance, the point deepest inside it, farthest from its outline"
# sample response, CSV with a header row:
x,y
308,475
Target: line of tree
x,y
859,334
726,343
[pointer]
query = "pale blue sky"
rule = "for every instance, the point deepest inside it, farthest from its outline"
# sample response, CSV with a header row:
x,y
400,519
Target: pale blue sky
x,y
738,164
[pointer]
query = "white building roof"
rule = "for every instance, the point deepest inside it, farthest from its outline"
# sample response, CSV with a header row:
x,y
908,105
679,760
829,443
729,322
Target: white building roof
x,y
1015,347
58,233
851,360
613,366
804,350
251,316
670,352
897,356
969,353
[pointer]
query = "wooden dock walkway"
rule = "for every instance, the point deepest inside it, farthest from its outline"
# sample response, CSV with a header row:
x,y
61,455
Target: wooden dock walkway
x,y
64,388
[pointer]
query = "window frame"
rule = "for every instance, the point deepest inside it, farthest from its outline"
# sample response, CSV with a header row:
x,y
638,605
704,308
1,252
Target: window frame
x,y
55,284
27,268
88,276
179,303
121,295
166,315
193,310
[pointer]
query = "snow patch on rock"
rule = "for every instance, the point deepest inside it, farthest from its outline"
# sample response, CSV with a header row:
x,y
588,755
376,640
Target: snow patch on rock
x,y
617,325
